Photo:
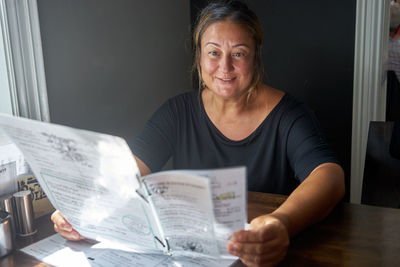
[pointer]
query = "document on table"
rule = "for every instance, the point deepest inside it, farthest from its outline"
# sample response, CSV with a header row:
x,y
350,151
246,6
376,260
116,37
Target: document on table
x,y
57,251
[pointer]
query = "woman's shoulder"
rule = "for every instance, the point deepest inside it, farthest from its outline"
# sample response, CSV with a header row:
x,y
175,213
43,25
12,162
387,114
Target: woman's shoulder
x,y
289,109
182,101
290,104
176,107
280,100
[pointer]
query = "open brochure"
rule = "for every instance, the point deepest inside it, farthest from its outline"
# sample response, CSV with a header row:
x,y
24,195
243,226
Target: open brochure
x,y
94,181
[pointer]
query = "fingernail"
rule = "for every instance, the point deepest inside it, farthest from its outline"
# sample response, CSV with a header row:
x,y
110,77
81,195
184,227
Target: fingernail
x,y
66,227
232,249
75,236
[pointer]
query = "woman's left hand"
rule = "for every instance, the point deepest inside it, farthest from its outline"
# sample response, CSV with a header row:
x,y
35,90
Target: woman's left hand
x,y
264,244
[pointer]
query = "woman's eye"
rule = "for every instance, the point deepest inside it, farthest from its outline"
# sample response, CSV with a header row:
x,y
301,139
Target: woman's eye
x,y
238,54
213,53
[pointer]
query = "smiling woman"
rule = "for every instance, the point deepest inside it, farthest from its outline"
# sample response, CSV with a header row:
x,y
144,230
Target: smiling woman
x,y
236,119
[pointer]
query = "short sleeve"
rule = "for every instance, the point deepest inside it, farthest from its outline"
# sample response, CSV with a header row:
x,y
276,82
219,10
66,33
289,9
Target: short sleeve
x,y
154,145
306,145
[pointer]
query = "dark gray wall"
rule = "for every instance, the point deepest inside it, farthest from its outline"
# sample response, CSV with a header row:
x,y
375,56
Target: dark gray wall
x,y
308,52
110,64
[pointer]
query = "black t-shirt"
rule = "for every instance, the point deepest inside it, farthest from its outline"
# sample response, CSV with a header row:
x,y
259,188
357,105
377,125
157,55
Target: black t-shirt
x,y
278,155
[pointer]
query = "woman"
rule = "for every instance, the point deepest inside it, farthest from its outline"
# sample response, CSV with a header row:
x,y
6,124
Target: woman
x,y
235,119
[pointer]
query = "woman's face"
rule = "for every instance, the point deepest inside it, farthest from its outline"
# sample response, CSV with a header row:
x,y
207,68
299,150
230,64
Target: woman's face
x,y
227,59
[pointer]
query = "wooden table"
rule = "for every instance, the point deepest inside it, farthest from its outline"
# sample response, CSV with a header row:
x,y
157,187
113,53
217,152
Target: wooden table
x,y
20,259
352,235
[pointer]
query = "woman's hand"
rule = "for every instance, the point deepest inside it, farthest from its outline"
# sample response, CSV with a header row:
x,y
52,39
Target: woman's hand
x,y
264,244
64,228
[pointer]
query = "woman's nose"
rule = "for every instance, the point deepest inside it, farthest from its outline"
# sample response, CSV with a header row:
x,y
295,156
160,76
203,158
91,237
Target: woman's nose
x,y
226,64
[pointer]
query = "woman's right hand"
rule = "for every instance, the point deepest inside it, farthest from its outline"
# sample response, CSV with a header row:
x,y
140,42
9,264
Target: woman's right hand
x,y
64,228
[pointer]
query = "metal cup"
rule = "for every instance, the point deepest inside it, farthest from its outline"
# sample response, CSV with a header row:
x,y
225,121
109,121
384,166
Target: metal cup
x,y
6,236
7,204
24,210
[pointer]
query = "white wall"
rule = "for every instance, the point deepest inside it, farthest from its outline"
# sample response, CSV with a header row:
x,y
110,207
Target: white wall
x,y
5,97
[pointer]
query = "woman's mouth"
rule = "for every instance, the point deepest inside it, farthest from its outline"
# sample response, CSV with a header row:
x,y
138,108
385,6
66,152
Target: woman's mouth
x,y
227,80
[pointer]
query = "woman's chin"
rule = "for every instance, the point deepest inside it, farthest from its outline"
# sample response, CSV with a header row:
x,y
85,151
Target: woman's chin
x,y
227,93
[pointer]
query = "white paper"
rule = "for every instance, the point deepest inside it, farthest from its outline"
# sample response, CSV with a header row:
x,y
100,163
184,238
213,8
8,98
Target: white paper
x,y
57,251
229,195
89,177
184,207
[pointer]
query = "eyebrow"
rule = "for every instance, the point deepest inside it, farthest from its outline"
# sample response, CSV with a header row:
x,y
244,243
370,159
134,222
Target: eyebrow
x,y
236,45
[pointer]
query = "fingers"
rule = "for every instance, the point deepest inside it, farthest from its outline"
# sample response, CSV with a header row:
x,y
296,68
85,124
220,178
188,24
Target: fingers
x,y
262,229
64,228
70,235
60,221
262,234
259,254
265,244
248,248
270,248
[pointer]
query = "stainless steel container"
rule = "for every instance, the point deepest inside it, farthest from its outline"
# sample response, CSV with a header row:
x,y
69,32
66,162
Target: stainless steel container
x,y
7,204
24,210
6,235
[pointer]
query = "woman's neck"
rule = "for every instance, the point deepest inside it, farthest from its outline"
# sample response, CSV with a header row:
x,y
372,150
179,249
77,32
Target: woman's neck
x,y
237,118
228,107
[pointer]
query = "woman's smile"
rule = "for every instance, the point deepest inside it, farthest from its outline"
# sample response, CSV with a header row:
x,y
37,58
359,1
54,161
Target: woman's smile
x,y
227,80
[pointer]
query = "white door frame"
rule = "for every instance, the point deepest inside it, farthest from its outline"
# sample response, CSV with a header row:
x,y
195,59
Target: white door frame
x,y
19,21
369,92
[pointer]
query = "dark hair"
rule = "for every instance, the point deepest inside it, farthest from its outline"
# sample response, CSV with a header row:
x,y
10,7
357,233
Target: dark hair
x,y
236,12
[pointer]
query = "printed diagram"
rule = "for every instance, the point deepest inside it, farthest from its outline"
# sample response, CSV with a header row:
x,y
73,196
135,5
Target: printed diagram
x,y
191,246
159,189
66,147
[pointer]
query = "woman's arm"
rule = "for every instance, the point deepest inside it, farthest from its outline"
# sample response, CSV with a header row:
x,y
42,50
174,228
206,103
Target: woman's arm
x,y
313,199
144,170
267,240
